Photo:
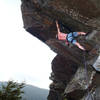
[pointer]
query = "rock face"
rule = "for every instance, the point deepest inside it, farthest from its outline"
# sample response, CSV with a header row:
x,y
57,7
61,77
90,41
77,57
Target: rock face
x,y
71,80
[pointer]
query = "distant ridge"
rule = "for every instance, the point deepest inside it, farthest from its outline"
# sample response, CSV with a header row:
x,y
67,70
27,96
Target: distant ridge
x,y
32,92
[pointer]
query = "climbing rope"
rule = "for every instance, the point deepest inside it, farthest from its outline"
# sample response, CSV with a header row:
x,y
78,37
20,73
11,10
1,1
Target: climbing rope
x,y
89,95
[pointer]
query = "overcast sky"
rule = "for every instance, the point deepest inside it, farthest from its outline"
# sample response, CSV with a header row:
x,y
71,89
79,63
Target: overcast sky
x,y
22,56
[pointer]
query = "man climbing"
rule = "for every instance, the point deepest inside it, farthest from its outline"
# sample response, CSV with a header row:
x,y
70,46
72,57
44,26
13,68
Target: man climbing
x,y
70,37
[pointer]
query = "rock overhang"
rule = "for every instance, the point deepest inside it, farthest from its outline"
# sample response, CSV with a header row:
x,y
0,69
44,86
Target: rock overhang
x,y
76,15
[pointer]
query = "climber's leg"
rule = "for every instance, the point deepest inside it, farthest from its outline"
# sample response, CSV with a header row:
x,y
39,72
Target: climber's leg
x,y
75,34
81,33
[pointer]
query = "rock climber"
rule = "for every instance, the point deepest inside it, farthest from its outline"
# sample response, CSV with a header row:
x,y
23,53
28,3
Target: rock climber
x,y
70,37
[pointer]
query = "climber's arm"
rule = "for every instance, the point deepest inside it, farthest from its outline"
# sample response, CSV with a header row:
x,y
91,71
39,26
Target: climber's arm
x,y
79,46
58,29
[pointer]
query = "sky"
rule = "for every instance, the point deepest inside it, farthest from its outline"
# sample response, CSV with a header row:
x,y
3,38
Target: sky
x,y
22,56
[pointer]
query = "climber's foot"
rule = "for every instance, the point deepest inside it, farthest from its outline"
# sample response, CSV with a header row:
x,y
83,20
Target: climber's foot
x,y
83,33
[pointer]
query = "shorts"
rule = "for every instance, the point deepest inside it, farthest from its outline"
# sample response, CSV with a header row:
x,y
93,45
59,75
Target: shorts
x,y
71,36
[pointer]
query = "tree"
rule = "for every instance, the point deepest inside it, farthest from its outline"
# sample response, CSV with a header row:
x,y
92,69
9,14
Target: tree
x,y
11,91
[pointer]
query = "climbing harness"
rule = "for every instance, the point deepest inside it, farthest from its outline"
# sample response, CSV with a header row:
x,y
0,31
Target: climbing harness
x,y
89,95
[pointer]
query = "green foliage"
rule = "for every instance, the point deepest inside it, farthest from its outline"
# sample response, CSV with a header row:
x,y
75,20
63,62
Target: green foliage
x,y
65,98
11,91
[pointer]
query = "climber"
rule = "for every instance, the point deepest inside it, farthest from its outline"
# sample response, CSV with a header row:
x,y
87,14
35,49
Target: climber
x,y
69,38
